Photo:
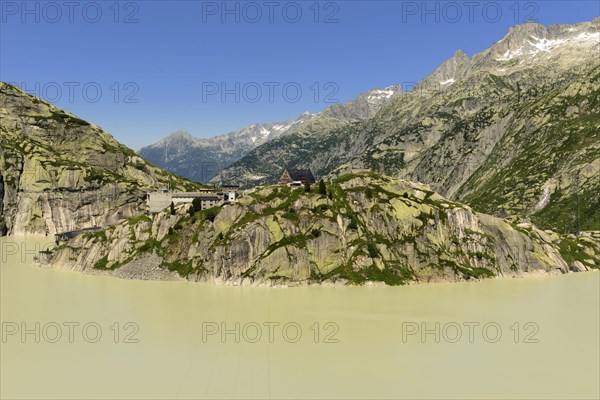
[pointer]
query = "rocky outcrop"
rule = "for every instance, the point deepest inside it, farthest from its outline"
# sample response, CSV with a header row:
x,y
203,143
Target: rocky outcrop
x,y
451,70
366,228
59,173
2,222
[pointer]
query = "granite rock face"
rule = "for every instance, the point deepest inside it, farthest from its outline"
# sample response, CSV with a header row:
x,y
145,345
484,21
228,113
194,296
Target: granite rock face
x,y
367,228
2,221
60,173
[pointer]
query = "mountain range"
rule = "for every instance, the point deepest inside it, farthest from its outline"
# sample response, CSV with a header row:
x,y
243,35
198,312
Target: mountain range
x,y
489,167
511,131
201,159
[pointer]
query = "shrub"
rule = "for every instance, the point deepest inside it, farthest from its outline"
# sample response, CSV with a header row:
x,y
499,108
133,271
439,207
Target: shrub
x,y
372,249
307,187
101,263
211,214
322,188
353,224
197,204
149,245
95,175
172,208
291,214
183,269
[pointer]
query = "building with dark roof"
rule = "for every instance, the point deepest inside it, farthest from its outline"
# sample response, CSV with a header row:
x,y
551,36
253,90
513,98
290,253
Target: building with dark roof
x,y
296,176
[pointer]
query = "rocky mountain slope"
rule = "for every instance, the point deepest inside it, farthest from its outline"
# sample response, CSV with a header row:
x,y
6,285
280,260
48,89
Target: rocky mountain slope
x,y
60,173
364,228
512,130
201,159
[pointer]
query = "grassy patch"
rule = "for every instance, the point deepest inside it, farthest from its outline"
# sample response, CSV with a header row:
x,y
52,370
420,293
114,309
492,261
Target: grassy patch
x,y
102,264
570,251
182,268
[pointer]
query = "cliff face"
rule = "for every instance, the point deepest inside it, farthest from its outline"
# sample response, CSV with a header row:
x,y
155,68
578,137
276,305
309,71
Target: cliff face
x,y
2,222
367,228
59,173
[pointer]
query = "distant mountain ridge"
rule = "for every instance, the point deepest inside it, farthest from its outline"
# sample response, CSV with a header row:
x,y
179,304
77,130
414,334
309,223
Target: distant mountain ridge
x,y
513,130
201,159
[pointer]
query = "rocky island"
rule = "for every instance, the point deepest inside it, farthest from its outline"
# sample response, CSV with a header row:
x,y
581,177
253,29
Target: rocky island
x,y
364,227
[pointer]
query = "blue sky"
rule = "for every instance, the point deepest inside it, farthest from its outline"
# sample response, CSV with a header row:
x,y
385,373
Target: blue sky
x,y
143,69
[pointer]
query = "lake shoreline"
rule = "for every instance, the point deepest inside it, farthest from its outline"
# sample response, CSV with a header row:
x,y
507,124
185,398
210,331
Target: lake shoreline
x,y
148,269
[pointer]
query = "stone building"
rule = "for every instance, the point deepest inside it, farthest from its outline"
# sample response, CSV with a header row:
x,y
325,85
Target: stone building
x,y
161,199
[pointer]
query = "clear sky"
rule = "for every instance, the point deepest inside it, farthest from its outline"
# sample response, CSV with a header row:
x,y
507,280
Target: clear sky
x,y
143,69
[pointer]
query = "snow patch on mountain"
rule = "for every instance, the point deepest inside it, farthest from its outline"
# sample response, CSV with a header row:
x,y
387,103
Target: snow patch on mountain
x,y
542,44
379,94
536,45
586,36
510,54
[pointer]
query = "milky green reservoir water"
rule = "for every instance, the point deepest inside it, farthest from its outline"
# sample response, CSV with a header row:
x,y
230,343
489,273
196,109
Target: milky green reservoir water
x,y
101,337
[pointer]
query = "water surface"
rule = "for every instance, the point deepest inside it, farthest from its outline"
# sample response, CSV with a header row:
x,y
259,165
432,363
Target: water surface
x,y
363,348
